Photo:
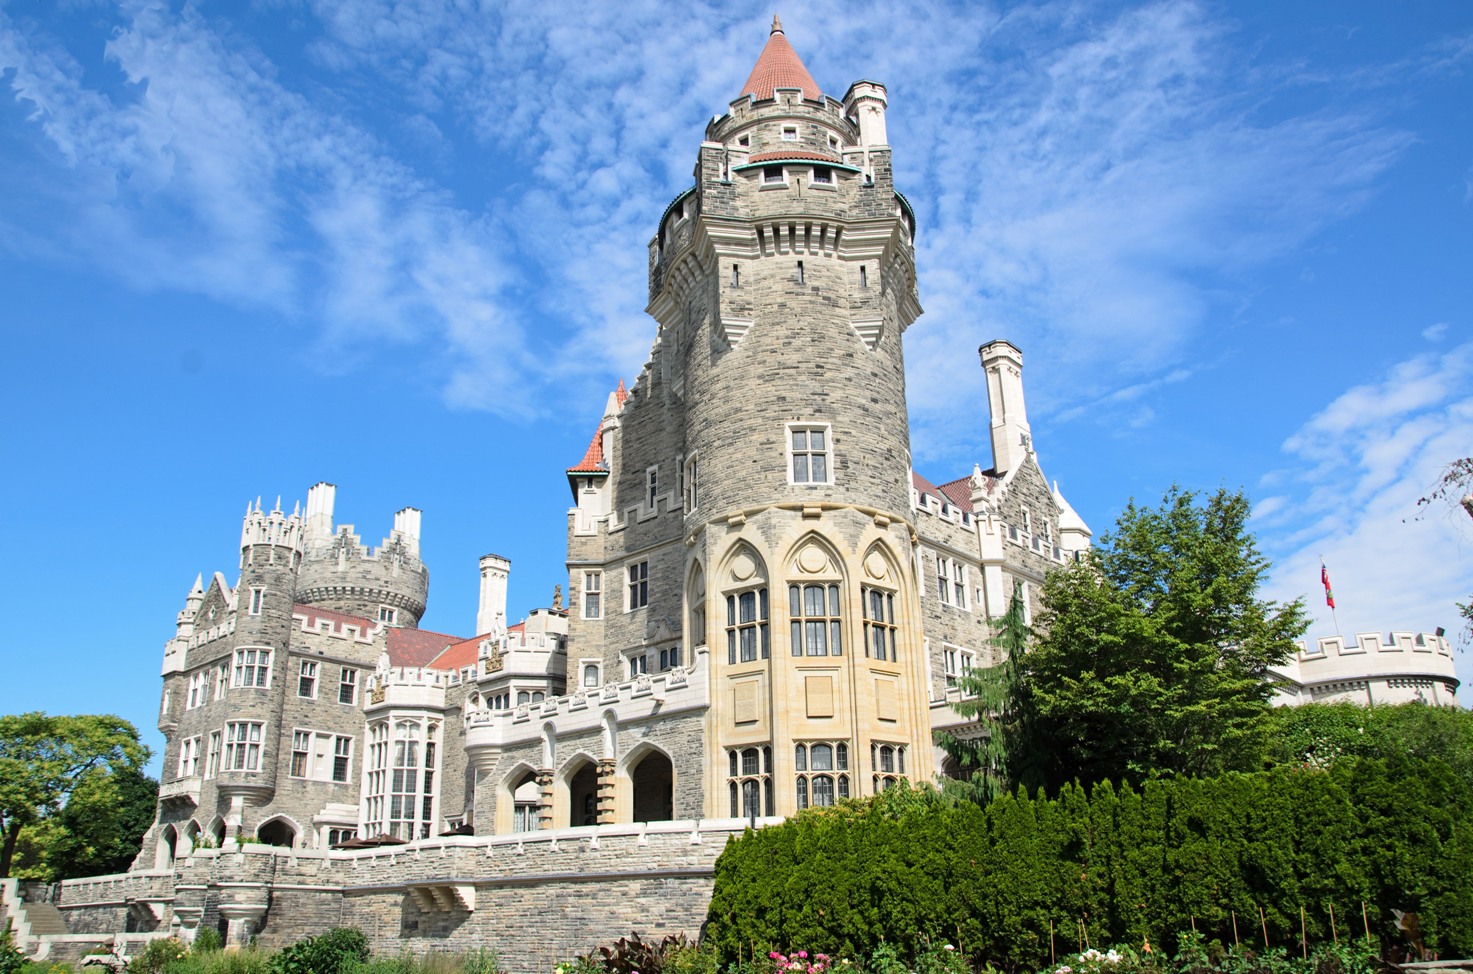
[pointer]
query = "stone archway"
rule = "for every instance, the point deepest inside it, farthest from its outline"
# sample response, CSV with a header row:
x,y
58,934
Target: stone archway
x,y
277,832
167,848
583,795
653,783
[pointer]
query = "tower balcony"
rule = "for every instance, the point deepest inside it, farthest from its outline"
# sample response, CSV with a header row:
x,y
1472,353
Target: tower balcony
x,y
181,791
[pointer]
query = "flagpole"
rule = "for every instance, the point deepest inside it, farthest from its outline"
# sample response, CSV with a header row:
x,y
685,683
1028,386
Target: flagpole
x,y
1330,598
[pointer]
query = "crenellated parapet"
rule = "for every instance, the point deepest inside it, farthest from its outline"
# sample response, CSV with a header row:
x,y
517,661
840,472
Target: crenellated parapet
x,y
1403,667
387,584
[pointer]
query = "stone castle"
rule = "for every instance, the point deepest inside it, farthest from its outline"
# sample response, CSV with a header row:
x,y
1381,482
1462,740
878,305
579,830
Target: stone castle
x,y
768,608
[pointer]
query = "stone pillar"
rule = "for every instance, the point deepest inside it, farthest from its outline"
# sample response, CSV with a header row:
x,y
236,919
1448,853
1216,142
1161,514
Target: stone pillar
x,y
186,919
606,768
544,801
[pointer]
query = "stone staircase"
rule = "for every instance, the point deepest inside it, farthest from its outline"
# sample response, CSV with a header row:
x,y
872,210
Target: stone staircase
x,y
43,919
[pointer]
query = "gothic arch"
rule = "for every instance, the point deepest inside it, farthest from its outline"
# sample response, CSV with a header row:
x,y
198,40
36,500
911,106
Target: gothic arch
x,y
814,555
696,599
167,847
217,831
514,787
549,744
191,834
279,830
610,735
575,792
644,789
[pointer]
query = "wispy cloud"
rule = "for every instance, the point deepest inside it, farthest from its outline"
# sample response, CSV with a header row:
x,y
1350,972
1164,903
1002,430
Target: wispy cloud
x,y
1349,493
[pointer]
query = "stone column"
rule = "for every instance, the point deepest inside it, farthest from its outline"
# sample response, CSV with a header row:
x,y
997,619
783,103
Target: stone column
x,y
544,800
606,768
187,919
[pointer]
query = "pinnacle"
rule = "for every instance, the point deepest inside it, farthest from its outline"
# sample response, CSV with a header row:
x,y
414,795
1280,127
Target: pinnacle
x,y
779,66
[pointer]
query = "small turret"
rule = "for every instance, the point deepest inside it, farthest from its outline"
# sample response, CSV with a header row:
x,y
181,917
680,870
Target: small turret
x,y
388,584
184,622
491,615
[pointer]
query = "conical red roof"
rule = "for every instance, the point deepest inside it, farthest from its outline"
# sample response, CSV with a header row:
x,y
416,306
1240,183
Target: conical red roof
x,y
780,67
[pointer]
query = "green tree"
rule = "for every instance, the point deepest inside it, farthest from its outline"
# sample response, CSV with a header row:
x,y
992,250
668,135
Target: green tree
x,y
1154,650
1319,734
44,760
986,752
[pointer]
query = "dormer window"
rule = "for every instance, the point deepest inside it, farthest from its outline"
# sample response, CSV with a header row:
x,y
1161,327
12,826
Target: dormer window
x,y
773,174
823,176
790,133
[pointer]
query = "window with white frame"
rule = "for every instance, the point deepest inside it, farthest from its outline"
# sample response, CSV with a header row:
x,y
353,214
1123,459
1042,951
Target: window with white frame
x,y
790,133
747,634
388,614
639,586
651,486
258,600
307,679
808,453
337,836
749,781
593,583
823,176
637,664
1025,596
887,762
199,687
773,175
879,624
212,756
321,756
951,581
348,685
815,623
243,745
253,667
822,772
188,757
401,797
956,663
591,675
530,697
692,485
222,677
669,658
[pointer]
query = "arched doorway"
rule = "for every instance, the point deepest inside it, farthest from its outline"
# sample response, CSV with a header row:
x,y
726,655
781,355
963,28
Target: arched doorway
x,y
526,796
277,832
653,779
168,842
583,795
217,831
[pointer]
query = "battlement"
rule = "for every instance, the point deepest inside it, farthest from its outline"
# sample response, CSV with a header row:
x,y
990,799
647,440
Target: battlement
x,y
272,527
1401,668
335,625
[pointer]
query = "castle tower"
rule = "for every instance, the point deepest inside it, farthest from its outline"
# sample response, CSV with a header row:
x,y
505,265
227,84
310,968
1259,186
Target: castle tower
x,y
760,508
270,556
1012,440
388,584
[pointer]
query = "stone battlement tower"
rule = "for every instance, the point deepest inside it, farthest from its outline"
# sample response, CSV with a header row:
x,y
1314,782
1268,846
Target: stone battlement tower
x,y
387,584
749,500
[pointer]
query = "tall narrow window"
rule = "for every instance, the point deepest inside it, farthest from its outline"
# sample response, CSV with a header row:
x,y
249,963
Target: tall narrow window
x,y
348,686
879,624
692,484
243,746
258,597
212,757
639,585
800,272
593,595
749,781
342,757
651,486
746,627
863,276
301,751
814,610
307,679
736,275
221,678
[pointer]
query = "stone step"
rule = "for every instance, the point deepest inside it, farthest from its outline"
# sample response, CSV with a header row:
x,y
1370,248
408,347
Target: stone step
x,y
44,919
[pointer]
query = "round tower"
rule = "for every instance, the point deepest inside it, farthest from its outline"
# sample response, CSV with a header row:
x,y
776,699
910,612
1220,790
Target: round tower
x,y
270,556
782,283
388,584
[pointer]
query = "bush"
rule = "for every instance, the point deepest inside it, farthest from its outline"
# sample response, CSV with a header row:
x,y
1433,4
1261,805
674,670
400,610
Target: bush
x,y
11,959
207,941
158,956
326,954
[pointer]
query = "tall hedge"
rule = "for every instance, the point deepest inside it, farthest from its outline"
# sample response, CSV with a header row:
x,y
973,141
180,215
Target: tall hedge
x,y
1029,874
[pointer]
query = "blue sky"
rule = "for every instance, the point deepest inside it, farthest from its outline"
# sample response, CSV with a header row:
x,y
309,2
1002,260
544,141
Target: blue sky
x,y
401,247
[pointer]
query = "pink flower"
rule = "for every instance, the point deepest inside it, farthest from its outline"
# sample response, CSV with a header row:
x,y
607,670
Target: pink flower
x,y
803,954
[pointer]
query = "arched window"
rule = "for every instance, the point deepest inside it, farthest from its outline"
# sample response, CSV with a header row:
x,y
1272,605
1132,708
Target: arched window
x,y
814,610
815,764
749,781
590,674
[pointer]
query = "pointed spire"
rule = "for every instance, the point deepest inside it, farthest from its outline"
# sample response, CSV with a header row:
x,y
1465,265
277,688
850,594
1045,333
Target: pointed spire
x,y
199,585
780,67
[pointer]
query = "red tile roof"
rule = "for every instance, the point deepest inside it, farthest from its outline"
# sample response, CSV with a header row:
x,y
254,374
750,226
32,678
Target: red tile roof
x,y
780,67
959,493
791,154
593,458
923,485
417,647
457,656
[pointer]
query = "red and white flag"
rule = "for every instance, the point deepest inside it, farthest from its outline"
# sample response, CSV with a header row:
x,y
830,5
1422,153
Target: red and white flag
x,y
1325,580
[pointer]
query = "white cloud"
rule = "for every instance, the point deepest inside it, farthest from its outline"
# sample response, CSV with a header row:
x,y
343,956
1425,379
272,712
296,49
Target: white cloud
x,y
1358,468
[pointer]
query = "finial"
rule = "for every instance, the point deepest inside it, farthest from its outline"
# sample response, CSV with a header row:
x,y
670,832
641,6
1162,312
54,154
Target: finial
x,y
777,26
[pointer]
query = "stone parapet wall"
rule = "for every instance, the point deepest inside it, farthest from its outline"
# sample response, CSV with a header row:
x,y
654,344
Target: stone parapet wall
x,y
580,887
